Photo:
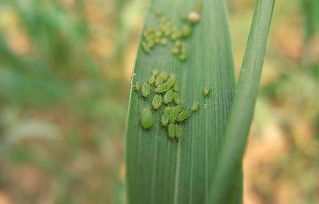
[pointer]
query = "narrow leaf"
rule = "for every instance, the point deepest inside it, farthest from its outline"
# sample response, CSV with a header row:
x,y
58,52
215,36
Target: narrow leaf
x,y
243,106
163,170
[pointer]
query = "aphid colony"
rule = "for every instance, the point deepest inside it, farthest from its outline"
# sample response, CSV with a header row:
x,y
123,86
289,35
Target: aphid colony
x,y
163,88
166,31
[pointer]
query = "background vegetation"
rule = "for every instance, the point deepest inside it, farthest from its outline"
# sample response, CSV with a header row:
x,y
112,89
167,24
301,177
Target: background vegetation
x,y
65,68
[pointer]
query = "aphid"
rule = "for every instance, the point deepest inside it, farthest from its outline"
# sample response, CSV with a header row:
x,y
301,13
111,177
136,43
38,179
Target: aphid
x,y
167,85
168,110
151,43
193,17
146,89
155,72
169,96
183,57
163,41
173,114
171,130
158,33
186,30
176,35
195,106
165,119
183,116
177,100
178,43
157,101
151,80
145,47
175,87
147,118
178,131
175,50
206,91
137,86
161,78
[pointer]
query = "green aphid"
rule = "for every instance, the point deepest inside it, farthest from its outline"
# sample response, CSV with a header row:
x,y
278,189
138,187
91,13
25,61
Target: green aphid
x,y
173,114
175,50
183,116
151,44
161,78
183,57
155,72
137,86
167,31
158,33
158,40
180,108
163,41
178,43
206,91
146,89
195,107
168,110
176,87
157,101
183,48
186,30
177,100
176,35
178,131
147,118
169,96
151,80
165,119
167,85
145,47
171,130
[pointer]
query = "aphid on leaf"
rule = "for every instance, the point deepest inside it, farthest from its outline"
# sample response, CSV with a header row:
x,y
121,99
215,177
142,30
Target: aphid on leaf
x,y
157,101
163,41
195,106
177,100
137,86
171,130
186,30
206,91
147,118
151,80
173,114
146,89
167,85
175,50
168,110
169,96
161,78
183,116
175,87
183,57
178,131
155,72
145,47
165,119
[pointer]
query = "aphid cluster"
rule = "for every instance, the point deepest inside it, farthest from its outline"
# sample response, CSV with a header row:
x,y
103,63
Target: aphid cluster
x,y
163,88
166,31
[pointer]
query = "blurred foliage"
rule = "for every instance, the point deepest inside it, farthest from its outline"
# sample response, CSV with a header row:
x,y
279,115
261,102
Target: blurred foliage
x,y
64,80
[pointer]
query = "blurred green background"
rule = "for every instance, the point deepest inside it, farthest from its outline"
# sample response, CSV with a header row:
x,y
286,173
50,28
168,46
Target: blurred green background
x,y
65,69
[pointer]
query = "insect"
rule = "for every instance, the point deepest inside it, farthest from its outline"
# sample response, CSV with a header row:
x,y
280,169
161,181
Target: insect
x,y
183,116
183,57
167,85
137,86
155,72
157,101
173,114
175,50
165,119
146,89
175,87
171,130
195,106
151,80
206,91
177,100
147,118
186,30
161,78
169,96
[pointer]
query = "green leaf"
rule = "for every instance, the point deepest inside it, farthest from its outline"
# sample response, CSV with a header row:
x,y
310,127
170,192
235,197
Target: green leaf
x,y
243,105
161,170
